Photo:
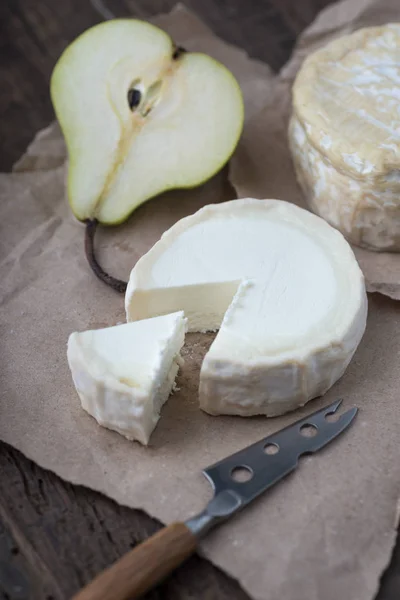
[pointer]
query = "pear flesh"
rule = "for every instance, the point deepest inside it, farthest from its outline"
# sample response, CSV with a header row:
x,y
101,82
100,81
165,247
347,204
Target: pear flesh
x,y
140,118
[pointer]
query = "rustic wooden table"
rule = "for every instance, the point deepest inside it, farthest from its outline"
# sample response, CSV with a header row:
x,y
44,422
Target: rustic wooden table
x,y
54,537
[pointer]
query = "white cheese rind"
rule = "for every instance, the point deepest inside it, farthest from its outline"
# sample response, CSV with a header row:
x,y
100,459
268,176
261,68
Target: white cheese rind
x,y
273,388
282,286
124,374
344,135
367,216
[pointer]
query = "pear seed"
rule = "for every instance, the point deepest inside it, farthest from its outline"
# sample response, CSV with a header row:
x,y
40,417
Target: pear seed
x,y
134,98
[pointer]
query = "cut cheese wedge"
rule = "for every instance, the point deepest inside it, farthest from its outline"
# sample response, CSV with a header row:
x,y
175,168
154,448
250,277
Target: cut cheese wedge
x,y
281,285
124,374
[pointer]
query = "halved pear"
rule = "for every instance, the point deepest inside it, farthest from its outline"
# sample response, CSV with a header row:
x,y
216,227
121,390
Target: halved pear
x,y
140,117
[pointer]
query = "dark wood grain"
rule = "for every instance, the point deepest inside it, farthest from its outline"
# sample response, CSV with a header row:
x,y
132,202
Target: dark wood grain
x,y
55,537
142,568
67,534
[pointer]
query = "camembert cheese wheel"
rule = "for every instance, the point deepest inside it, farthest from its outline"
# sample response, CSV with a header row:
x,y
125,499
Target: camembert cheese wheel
x,y
344,135
282,286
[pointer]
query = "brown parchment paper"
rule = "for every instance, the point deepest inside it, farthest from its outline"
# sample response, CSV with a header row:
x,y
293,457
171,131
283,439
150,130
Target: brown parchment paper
x,y
262,165
324,533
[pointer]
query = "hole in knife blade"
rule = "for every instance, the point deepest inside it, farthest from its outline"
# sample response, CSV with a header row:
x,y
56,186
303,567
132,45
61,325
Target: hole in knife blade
x,y
332,417
308,430
242,473
271,448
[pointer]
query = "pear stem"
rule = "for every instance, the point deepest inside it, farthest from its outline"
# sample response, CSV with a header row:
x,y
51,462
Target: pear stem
x,y
179,50
116,284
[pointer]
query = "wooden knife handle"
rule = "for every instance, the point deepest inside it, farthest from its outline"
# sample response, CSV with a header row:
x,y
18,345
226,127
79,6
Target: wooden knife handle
x,y
143,567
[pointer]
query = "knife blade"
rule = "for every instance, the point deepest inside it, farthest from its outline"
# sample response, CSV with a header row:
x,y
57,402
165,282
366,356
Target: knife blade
x,y
266,462
237,480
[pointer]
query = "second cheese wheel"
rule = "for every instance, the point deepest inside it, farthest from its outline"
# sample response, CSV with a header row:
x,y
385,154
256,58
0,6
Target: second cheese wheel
x,y
345,135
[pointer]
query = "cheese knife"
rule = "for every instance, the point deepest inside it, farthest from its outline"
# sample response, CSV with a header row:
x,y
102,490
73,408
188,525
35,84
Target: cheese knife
x,y
236,481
